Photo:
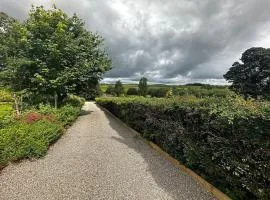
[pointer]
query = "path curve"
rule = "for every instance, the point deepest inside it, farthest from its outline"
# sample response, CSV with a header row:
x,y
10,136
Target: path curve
x,y
98,158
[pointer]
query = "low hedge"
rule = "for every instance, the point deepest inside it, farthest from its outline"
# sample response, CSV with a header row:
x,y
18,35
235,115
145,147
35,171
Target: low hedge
x,y
224,140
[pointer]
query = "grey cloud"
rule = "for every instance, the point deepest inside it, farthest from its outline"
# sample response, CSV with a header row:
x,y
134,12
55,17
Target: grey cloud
x,y
168,41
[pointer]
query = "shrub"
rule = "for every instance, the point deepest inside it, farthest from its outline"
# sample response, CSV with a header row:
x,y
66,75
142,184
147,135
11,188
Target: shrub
x,y
32,117
158,92
110,90
5,109
66,114
74,101
5,96
23,140
225,140
30,135
132,91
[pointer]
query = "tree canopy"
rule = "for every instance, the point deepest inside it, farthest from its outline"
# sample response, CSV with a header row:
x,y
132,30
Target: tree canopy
x,y
143,88
51,54
251,77
118,88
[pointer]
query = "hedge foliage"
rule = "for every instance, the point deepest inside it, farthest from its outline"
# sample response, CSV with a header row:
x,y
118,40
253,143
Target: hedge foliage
x,y
225,140
29,135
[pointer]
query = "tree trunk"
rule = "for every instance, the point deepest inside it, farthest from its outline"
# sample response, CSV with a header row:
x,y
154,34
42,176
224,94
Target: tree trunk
x,y
55,100
16,104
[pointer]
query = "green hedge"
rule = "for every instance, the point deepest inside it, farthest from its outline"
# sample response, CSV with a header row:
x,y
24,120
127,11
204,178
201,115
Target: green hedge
x,y
225,140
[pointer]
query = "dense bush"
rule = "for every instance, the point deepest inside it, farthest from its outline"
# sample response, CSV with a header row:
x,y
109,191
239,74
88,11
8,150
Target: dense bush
x,y
5,95
30,134
5,114
225,140
5,109
23,140
74,101
110,90
132,91
158,92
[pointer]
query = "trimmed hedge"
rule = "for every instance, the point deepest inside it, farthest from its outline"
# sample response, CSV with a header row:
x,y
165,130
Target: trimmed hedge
x,y
225,140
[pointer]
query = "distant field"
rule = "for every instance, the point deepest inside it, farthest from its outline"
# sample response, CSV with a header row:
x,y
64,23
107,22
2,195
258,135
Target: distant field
x,y
104,87
160,90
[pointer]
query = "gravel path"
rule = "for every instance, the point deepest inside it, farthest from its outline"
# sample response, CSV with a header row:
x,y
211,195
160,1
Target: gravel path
x,y
98,158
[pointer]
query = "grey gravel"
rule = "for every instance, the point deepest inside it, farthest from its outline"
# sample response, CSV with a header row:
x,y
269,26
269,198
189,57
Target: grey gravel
x,y
98,158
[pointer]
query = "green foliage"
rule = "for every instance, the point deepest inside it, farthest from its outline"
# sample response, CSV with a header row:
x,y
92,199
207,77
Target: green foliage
x,y
143,87
23,140
251,78
158,92
74,100
132,91
66,114
50,55
202,91
119,89
30,134
110,90
225,140
5,111
5,96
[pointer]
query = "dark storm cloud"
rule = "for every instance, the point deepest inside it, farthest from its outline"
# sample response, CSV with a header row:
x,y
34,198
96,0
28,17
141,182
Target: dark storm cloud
x,y
168,41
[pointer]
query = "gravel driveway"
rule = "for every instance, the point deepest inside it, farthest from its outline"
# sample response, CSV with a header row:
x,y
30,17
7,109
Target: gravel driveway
x,y
98,158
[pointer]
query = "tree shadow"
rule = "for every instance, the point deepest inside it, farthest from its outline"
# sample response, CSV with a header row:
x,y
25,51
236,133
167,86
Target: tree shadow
x,y
85,112
173,181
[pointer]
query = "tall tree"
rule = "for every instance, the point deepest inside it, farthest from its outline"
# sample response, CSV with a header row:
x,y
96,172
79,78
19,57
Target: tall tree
x,y
50,55
119,89
5,24
143,88
251,77
110,90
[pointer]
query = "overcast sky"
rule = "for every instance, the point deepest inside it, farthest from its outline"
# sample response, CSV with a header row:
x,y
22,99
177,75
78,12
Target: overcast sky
x,y
170,41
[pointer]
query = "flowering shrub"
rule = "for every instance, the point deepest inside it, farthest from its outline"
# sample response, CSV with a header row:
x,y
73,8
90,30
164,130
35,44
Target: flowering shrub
x,y
32,117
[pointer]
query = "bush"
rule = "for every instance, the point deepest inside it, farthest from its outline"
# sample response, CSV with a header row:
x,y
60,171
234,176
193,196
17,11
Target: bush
x,y
5,96
5,114
225,140
132,91
23,140
66,114
158,92
74,101
110,90
30,134
5,109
